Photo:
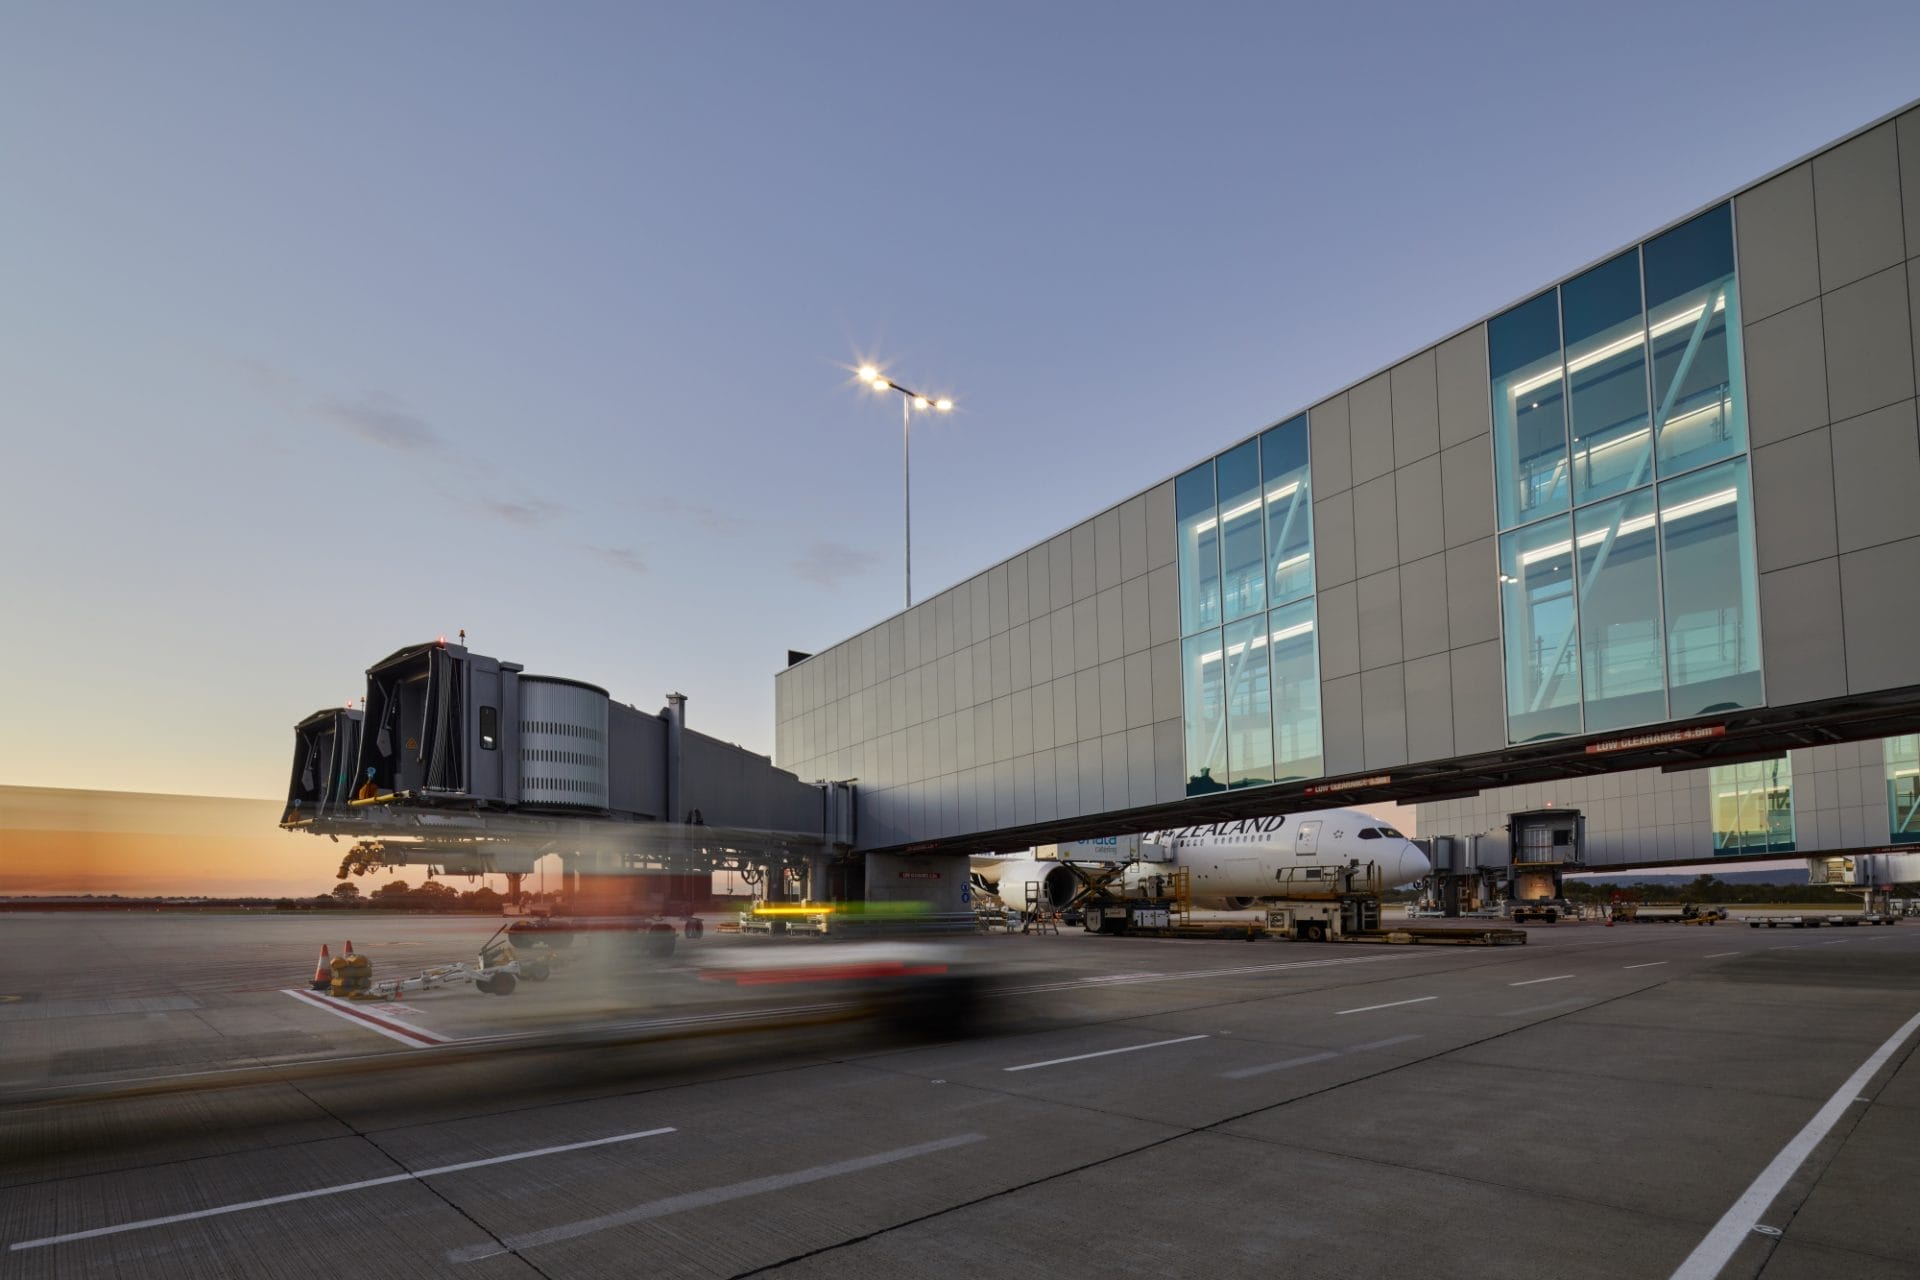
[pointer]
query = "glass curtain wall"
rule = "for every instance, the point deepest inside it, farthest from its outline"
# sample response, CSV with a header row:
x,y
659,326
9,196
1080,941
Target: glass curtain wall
x,y
1903,788
1752,806
1248,648
1629,591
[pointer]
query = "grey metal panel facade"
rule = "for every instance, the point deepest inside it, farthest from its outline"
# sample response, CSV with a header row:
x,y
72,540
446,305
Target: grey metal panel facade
x,y
1327,428
1416,409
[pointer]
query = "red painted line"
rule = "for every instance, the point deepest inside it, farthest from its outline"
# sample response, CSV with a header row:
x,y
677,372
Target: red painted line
x,y
394,1030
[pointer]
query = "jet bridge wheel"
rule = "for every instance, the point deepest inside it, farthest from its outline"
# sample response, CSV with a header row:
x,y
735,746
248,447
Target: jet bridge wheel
x,y
1316,932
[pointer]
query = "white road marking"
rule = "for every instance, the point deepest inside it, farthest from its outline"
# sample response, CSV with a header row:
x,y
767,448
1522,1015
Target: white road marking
x,y
1713,1252
1395,1004
1381,1044
1129,979
1648,965
1543,1008
1285,1064
1246,1073
340,1189
361,1016
702,1199
1533,981
1082,1057
1716,955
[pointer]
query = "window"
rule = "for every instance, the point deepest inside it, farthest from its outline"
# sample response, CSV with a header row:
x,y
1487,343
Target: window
x,y
489,728
1199,526
1249,709
1529,411
1618,396
1752,807
1693,326
1903,788
1369,833
1621,665
1713,633
1242,534
1294,690
1607,380
1206,719
1286,488
1251,686
1537,609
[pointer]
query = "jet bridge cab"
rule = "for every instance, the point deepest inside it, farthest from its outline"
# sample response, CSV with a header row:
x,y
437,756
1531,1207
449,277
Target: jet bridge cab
x,y
325,746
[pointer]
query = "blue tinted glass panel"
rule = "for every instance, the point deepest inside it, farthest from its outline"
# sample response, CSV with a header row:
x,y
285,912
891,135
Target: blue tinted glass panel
x,y
1249,704
1713,632
1243,542
1529,411
1607,380
1751,805
1903,788
1199,533
1206,713
1289,498
1295,674
1542,653
1622,664
1693,324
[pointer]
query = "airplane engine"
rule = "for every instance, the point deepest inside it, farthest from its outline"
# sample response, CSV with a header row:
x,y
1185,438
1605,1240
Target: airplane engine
x,y
1009,882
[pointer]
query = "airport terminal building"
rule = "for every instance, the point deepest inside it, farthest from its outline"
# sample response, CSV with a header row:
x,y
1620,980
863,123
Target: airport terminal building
x,y
1644,544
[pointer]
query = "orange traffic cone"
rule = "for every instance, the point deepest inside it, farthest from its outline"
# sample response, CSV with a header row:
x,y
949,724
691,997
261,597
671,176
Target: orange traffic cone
x,y
323,973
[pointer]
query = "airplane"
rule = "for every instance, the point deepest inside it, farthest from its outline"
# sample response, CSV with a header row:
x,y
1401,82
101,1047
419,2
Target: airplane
x,y
1232,865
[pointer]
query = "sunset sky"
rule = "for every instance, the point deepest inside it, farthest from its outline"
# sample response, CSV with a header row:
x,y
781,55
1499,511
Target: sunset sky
x,y
332,328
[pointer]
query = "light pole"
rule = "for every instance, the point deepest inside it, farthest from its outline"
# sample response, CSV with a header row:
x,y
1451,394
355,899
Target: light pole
x,y
909,401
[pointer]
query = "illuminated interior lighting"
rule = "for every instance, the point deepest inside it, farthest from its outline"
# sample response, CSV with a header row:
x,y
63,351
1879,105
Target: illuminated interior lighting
x,y
1614,348
1678,511
1234,650
1284,491
1291,561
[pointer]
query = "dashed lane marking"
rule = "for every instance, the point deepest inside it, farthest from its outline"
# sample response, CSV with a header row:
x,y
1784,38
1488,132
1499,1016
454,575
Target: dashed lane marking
x,y
1392,1004
1104,1053
703,1199
339,1189
1532,981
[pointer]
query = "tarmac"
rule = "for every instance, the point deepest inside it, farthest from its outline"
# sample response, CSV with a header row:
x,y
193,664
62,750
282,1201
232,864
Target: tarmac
x,y
1642,1100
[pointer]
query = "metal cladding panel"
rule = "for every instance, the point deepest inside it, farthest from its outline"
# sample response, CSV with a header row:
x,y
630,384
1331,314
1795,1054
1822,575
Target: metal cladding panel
x,y
1786,365
636,762
1806,655
1779,261
1856,200
1876,475
563,743
1793,501
1869,343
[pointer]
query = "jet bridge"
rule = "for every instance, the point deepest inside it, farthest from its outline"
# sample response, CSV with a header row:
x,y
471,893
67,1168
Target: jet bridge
x,y
469,765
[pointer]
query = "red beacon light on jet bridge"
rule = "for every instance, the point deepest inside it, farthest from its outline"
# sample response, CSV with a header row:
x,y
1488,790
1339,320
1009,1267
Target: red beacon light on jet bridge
x,y
440,643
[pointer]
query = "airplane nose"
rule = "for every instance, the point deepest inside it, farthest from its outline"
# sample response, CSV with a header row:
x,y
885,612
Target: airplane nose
x,y
1410,866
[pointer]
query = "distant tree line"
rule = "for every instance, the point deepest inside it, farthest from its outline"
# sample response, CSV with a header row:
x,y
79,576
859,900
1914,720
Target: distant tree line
x,y
398,895
1709,888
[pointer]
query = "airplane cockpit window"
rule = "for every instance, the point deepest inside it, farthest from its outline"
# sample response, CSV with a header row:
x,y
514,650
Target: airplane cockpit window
x,y
1369,833
1390,832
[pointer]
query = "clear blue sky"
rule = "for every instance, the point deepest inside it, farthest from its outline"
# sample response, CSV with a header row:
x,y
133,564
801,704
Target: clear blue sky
x,y
331,328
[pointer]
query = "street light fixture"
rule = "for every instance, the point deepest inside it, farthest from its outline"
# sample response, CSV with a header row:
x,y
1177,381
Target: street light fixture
x,y
909,401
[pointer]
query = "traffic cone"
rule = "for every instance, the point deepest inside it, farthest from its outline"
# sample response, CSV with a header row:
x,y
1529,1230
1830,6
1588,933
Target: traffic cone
x,y
323,973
